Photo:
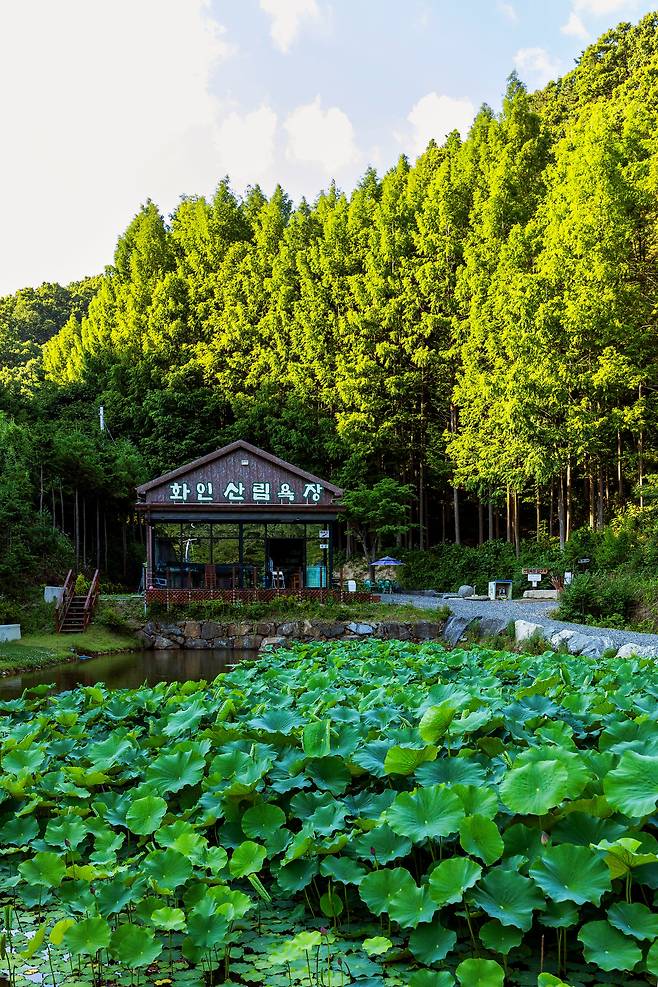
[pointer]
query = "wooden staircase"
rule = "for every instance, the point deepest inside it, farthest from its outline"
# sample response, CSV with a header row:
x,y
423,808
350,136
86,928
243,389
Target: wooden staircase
x,y
74,613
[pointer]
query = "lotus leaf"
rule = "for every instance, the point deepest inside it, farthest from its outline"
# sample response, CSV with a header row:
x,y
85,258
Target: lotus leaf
x,y
632,787
316,739
430,978
426,813
377,945
435,722
534,788
45,868
134,945
480,836
500,938
404,760
634,919
145,814
262,820
430,942
88,936
451,878
508,896
571,873
480,973
608,948
248,858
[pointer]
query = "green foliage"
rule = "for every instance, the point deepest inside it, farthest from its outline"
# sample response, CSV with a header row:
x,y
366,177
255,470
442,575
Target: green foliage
x,y
148,828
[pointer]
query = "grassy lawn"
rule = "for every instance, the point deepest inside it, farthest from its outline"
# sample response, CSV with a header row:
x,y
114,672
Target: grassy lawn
x,y
48,648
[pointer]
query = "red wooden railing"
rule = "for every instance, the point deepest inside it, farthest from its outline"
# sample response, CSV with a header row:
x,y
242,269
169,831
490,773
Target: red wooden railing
x,y
67,595
92,599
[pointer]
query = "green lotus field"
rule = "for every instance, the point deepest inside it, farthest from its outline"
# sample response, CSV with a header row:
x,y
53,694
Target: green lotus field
x,y
370,813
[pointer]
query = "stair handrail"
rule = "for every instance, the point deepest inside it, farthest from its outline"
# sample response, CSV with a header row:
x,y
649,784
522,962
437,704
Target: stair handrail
x,y
68,592
92,599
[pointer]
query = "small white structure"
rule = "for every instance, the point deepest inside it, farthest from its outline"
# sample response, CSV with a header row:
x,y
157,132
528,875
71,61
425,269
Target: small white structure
x,y
500,589
53,594
10,632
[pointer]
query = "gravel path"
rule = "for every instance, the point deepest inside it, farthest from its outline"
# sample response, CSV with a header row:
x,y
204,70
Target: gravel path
x,y
536,611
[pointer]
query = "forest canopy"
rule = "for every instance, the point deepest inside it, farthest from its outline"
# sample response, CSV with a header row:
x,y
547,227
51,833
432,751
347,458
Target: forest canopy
x,y
479,325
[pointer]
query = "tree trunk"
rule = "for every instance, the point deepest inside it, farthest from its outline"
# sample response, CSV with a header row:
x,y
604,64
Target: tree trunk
x,y
480,522
620,477
443,522
105,537
61,504
98,534
537,512
491,521
590,490
124,549
561,512
84,532
568,512
600,513
52,493
517,525
551,509
455,507
41,490
421,506
509,515
76,527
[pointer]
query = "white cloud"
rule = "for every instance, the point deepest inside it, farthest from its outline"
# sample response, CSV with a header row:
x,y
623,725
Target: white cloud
x,y
321,137
102,107
435,116
287,18
575,27
508,10
246,145
537,64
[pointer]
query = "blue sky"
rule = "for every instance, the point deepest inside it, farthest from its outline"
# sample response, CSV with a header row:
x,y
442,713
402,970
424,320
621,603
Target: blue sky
x,y
106,104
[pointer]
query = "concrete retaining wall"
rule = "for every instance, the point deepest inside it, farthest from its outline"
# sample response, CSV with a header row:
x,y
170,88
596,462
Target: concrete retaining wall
x,y
10,632
252,635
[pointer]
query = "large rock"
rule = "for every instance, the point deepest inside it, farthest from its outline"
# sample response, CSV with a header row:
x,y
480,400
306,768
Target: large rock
x,y
223,643
455,628
328,629
426,630
145,640
273,642
465,591
236,630
492,626
164,643
637,650
578,642
210,629
540,594
360,629
290,629
196,643
172,631
191,629
265,628
391,630
250,642
525,629
598,646
561,637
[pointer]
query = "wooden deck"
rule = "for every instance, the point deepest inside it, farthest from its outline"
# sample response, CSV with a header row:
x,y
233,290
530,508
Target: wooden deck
x,y
176,597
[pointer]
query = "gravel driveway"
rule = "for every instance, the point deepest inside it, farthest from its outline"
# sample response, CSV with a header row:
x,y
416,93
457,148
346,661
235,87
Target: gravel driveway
x,y
536,611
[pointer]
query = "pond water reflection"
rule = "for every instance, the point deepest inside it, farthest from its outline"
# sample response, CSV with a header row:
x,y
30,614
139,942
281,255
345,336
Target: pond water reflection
x,y
127,671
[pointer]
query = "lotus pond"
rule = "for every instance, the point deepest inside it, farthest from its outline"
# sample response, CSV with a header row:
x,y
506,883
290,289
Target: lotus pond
x,y
370,813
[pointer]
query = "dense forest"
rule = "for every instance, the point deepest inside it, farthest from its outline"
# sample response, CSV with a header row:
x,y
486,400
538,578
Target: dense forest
x,y
479,327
